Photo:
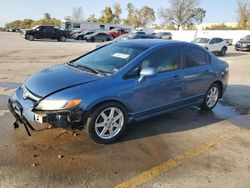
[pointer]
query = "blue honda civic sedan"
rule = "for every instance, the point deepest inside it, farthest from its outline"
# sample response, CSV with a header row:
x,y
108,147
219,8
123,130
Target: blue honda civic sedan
x,y
108,88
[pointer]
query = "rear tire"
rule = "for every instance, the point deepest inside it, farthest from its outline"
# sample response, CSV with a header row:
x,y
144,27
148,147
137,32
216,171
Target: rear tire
x,y
92,40
211,98
62,38
107,123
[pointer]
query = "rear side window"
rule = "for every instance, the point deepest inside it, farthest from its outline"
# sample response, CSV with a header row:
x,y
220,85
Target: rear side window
x,y
195,57
165,59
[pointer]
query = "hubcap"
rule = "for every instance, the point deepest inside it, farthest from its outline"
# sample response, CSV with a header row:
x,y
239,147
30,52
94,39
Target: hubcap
x,y
109,123
212,97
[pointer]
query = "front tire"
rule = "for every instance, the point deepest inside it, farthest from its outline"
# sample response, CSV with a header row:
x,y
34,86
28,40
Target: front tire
x,y
211,98
223,51
107,122
30,37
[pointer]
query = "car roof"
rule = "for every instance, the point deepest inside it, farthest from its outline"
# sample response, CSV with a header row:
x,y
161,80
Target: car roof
x,y
149,43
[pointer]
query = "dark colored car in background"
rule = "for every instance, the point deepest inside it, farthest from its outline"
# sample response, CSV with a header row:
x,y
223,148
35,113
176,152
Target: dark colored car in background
x,y
80,36
46,32
98,37
116,32
243,44
121,83
130,36
164,35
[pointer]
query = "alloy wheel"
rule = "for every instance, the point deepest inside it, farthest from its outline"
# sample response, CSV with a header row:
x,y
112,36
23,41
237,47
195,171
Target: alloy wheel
x,y
212,97
109,123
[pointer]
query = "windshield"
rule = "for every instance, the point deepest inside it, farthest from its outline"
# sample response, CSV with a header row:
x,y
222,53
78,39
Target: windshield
x,y
246,37
201,40
35,27
109,59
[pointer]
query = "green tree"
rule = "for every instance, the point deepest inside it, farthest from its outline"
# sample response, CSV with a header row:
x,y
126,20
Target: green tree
x,y
47,16
107,15
139,17
183,13
92,18
117,13
29,23
131,18
220,27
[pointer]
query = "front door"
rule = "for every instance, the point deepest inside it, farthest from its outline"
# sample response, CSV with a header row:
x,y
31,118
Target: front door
x,y
158,92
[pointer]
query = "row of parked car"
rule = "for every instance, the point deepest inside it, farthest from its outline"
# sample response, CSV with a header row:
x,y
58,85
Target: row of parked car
x,y
92,36
215,44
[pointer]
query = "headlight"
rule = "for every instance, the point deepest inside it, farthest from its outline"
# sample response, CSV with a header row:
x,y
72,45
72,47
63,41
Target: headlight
x,y
57,104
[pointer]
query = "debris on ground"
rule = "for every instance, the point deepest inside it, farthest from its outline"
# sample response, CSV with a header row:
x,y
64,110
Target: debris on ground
x,y
60,156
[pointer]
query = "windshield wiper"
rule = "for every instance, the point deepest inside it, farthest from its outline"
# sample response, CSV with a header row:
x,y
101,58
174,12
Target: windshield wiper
x,y
90,69
95,71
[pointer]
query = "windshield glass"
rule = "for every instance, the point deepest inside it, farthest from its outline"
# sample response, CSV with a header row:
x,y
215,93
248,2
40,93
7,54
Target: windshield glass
x,y
201,40
35,27
246,37
109,59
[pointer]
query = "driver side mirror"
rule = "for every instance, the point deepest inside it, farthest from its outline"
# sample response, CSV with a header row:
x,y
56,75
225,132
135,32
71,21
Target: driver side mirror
x,y
147,72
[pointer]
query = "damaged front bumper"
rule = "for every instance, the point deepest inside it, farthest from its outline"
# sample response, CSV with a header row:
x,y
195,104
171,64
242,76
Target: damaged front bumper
x,y
23,111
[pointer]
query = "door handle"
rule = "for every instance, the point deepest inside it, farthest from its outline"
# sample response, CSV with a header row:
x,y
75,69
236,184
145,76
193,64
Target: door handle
x,y
208,70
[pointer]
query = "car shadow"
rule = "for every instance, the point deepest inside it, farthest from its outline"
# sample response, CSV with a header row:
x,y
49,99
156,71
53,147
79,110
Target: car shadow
x,y
192,118
235,54
53,41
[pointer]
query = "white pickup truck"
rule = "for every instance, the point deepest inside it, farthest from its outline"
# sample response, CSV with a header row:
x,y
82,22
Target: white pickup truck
x,y
217,45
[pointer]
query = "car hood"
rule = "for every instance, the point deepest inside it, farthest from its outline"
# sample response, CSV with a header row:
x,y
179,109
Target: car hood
x,y
201,44
244,41
57,78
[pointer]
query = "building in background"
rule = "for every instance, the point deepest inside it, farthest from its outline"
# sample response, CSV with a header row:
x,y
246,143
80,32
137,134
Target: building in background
x,y
85,25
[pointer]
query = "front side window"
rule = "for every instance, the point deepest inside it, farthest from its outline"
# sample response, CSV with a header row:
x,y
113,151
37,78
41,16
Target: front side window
x,y
109,59
219,40
165,59
195,57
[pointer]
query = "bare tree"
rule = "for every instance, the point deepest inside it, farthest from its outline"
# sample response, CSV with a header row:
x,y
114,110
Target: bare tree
x,y
243,12
146,16
182,13
77,14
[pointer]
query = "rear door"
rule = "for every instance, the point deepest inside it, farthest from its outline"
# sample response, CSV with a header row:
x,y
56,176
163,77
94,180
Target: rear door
x,y
198,72
99,37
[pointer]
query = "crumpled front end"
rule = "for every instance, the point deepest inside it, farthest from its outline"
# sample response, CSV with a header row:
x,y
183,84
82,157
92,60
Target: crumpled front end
x,y
22,105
